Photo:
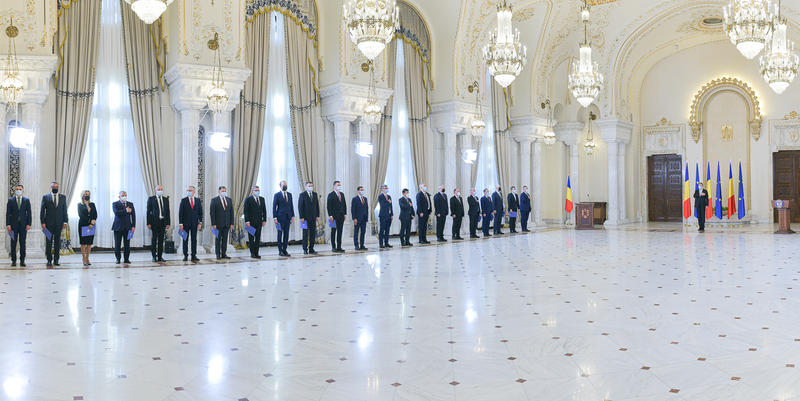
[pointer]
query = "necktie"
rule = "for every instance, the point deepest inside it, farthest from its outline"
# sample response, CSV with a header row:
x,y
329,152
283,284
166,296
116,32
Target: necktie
x,y
362,199
191,202
285,198
55,200
19,203
223,202
340,196
256,198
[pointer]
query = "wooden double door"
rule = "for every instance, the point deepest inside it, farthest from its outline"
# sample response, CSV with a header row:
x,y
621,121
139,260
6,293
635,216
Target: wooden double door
x,y
786,180
665,188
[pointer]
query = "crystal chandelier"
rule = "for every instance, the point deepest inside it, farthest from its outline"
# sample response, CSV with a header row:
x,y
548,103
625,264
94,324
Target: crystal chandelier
x,y
148,10
549,136
585,80
477,127
217,97
590,145
11,87
372,112
371,24
779,63
748,24
504,53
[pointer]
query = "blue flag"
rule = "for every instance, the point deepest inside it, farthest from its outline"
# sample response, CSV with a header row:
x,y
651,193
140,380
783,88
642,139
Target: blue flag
x,y
696,182
741,194
718,198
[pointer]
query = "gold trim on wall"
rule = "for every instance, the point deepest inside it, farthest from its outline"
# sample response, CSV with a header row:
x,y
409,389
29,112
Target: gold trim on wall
x,y
719,85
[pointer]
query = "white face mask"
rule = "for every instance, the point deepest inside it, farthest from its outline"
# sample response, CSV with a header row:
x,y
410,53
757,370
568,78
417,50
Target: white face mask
x,y
339,188
362,193
18,192
424,188
159,192
310,189
513,191
123,198
458,193
223,194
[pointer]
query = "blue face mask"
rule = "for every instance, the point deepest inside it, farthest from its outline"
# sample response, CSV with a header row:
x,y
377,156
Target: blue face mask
x,y
160,193
189,194
256,193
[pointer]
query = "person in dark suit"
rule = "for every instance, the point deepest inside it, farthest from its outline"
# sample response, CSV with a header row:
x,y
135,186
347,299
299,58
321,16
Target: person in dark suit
x,y
487,212
308,210
54,218
221,220
513,206
442,210
423,211
255,215
406,215
283,216
497,202
700,205
124,222
18,222
87,217
337,209
190,220
158,221
457,213
359,212
525,208
386,214
474,213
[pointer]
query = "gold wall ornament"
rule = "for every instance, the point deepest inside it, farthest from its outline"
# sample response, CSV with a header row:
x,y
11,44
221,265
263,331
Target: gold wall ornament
x,y
792,116
725,84
727,133
663,121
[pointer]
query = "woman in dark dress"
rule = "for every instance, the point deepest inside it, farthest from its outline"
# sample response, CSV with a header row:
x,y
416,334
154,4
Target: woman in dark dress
x,y
87,216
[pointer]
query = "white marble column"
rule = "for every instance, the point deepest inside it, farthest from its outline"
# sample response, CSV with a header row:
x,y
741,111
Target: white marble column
x,y
536,183
341,133
570,134
218,169
616,133
186,148
465,142
31,175
364,164
525,161
621,163
612,217
451,158
4,190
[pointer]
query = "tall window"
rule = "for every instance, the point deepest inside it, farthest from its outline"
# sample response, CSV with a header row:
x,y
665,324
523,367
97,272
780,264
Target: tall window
x,y
400,168
487,159
277,151
111,162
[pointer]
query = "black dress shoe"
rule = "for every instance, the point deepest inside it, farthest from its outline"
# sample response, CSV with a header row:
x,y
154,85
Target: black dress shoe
x,y
389,246
22,264
363,248
155,260
13,263
127,262
226,257
195,259
161,260
185,258
305,252
286,254
56,264
117,261
340,250
313,252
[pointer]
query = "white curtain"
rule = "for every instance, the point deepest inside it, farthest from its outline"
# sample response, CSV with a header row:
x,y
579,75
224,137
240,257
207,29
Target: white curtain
x,y
400,170
487,165
277,152
111,162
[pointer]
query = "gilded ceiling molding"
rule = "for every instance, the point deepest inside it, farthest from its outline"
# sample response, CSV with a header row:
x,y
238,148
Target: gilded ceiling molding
x,y
725,84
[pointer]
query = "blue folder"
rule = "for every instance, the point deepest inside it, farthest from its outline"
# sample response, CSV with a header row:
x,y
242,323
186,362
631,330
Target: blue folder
x,y
87,231
250,230
215,232
184,234
332,223
47,234
130,234
512,214
278,226
12,234
304,225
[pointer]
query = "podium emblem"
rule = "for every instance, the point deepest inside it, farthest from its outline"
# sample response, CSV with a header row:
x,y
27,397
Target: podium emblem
x,y
779,204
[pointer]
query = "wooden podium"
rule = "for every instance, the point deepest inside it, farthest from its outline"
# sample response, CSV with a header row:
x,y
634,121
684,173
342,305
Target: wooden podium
x,y
584,216
784,216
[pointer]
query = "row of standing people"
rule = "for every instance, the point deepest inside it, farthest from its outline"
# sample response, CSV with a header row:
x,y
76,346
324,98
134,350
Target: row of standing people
x,y
54,218
490,208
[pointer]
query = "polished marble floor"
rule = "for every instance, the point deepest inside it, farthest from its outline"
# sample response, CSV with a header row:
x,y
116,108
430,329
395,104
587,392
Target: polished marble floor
x,y
641,312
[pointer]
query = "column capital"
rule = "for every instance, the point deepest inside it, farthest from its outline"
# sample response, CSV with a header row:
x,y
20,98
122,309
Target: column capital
x,y
571,133
35,72
189,85
452,116
614,130
350,99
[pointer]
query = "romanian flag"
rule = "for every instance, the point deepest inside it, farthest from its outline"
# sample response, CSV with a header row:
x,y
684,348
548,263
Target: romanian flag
x,y
696,183
687,197
710,207
718,198
568,205
731,193
741,193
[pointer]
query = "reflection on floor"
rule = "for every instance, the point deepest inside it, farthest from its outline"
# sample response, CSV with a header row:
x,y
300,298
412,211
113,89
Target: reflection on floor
x,y
642,312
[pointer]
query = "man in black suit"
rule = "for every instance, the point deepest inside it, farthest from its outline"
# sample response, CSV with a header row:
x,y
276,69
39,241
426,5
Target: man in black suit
x,y
359,212
525,208
255,215
474,213
18,222
158,221
308,210
53,216
513,207
406,215
221,221
124,223
440,204
190,220
700,205
423,211
499,211
283,216
457,212
337,209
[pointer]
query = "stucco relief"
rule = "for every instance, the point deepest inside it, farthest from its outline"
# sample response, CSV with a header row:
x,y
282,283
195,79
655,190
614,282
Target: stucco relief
x,y
205,21
30,27
784,134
